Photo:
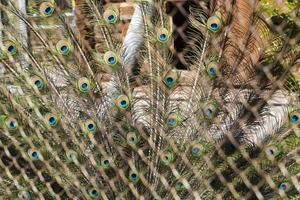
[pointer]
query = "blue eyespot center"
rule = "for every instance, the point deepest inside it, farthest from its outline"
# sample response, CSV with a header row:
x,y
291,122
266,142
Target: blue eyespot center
x,y
208,112
167,158
91,127
170,80
52,120
111,18
271,152
123,103
94,193
72,156
133,175
64,48
34,154
214,26
283,186
48,10
38,83
212,71
83,84
13,125
132,140
25,195
195,150
11,49
179,185
171,122
111,60
163,37
106,162
294,118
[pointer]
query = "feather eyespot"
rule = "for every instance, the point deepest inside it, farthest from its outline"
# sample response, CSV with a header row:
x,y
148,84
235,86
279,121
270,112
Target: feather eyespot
x,y
170,78
11,48
210,110
24,195
90,126
111,16
214,23
179,186
167,157
11,124
212,69
133,176
105,163
283,187
63,47
84,84
122,102
132,139
196,150
94,193
71,155
163,36
270,152
46,9
34,154
173,120
51,119
110,58
38,82
294,117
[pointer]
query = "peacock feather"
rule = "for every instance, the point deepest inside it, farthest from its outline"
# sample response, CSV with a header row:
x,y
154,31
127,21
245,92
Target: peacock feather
x,y
93,104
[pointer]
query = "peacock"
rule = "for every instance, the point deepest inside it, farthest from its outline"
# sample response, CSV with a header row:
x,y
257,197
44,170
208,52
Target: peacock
x,y
87,113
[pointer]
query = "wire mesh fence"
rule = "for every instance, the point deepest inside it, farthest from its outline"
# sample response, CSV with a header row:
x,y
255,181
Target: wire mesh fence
x,y
149,99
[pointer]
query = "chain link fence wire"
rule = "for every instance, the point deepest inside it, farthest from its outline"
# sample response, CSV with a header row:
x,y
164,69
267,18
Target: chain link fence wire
x,y
203,104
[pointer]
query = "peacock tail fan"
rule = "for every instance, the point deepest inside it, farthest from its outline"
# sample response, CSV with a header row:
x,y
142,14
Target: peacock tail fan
x,y
149,99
